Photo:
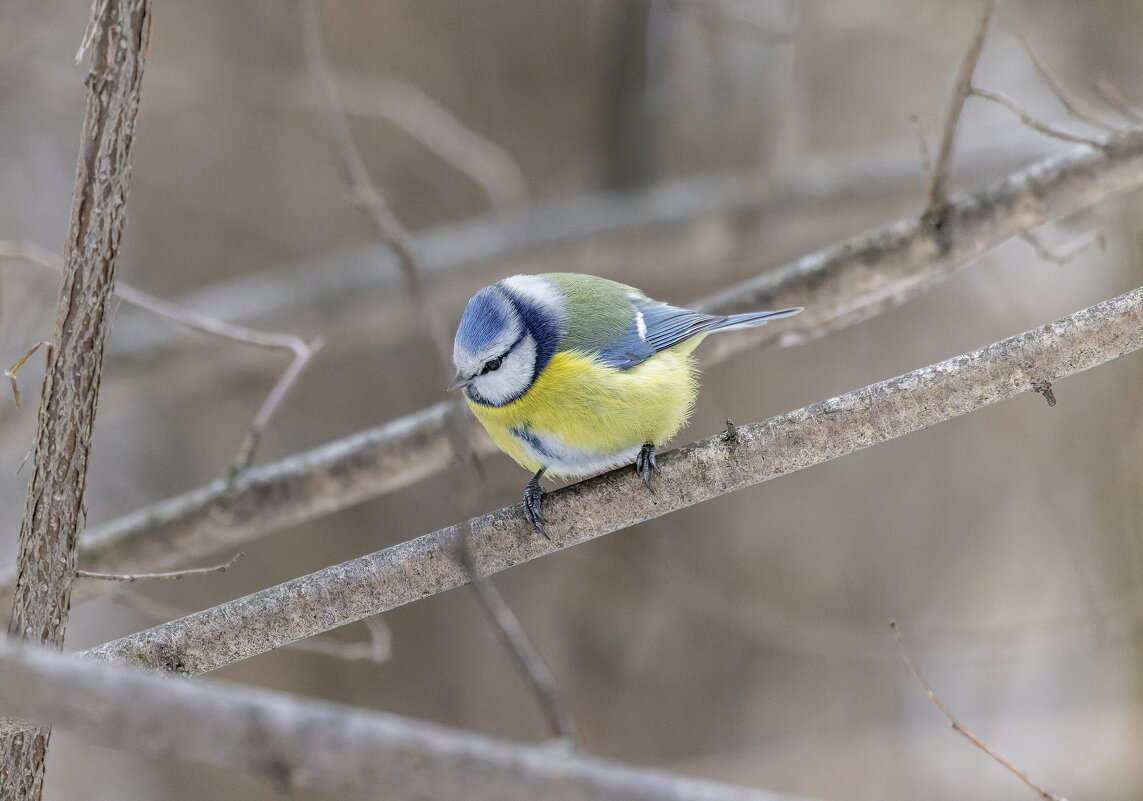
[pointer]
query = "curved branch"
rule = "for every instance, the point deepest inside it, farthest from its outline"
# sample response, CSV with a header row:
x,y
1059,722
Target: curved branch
x,y
302,351
840,286
301,743
543,233
707,469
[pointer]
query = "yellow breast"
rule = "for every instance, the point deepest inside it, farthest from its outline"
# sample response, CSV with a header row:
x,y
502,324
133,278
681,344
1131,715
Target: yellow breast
x,y
580,416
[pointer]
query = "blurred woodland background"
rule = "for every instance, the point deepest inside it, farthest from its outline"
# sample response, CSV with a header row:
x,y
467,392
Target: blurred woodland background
x,y
678,145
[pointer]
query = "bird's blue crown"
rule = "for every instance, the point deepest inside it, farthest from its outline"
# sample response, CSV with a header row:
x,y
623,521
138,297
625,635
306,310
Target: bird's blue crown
x,y
495,308
484,319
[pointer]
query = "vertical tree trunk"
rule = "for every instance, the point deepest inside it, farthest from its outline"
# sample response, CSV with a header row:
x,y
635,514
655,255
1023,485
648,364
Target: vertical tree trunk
x,y
53,510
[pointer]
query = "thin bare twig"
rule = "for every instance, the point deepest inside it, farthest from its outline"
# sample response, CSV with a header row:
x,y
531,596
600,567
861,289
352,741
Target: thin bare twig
x,y
392,100
701,471
1033,122
440,131
958,727
659,219
1095,239
524,652
361,186
1069,102
937,191
302,351
922,144
1114,97
378,648
171,574
389,227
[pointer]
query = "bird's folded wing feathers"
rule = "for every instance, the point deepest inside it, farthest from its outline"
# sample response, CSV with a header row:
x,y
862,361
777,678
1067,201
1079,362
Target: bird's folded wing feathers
x,y
654,327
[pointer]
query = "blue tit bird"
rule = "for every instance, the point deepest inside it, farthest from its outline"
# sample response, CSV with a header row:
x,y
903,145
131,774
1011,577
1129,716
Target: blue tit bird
x,y
573,374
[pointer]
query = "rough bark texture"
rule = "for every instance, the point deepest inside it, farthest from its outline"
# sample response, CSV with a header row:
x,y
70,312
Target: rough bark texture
x,y
707,469
303,743
53,511
839,286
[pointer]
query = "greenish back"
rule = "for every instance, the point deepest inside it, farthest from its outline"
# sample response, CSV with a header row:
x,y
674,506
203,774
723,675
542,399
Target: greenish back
x,y
599,310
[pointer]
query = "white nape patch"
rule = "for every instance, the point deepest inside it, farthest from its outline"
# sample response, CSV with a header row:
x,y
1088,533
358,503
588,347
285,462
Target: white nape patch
x,y
539,291
512,378
563,461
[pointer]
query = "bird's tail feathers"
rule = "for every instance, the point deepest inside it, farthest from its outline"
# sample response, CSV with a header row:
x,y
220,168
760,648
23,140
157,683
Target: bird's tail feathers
x,y
733,322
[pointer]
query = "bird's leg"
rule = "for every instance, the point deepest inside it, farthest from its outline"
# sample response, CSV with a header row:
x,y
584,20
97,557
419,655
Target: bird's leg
x,y
645,464
533,494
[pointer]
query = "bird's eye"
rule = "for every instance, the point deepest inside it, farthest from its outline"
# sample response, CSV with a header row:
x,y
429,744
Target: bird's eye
x,y
492,365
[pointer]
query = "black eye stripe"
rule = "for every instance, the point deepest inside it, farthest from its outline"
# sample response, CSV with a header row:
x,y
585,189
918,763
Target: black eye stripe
x,y
488,365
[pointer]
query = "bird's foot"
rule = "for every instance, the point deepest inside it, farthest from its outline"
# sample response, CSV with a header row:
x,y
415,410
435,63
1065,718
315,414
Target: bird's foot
x,y
645,464
533,495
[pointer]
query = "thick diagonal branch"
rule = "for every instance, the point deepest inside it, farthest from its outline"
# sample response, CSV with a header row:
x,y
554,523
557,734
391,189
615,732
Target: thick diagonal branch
x,y
840,286
707,469
301,743
53,511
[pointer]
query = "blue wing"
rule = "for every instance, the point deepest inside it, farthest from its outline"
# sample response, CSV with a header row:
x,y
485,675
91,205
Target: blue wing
x,y
656,326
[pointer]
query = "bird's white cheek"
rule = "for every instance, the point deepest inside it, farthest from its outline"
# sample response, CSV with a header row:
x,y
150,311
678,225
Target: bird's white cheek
x,y
512,379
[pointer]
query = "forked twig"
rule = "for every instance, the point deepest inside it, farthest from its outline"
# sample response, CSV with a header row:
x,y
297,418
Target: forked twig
x,y
938,180
361,186
937,191
1033,122
302,351
957,726
1069,102
10,373
171,574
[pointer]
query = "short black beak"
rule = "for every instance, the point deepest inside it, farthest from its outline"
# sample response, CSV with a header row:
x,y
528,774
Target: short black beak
x,y
457,382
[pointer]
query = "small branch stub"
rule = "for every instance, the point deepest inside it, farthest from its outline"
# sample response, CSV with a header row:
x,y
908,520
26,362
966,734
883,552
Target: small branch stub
x,y
10,373
1045,389
730,436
